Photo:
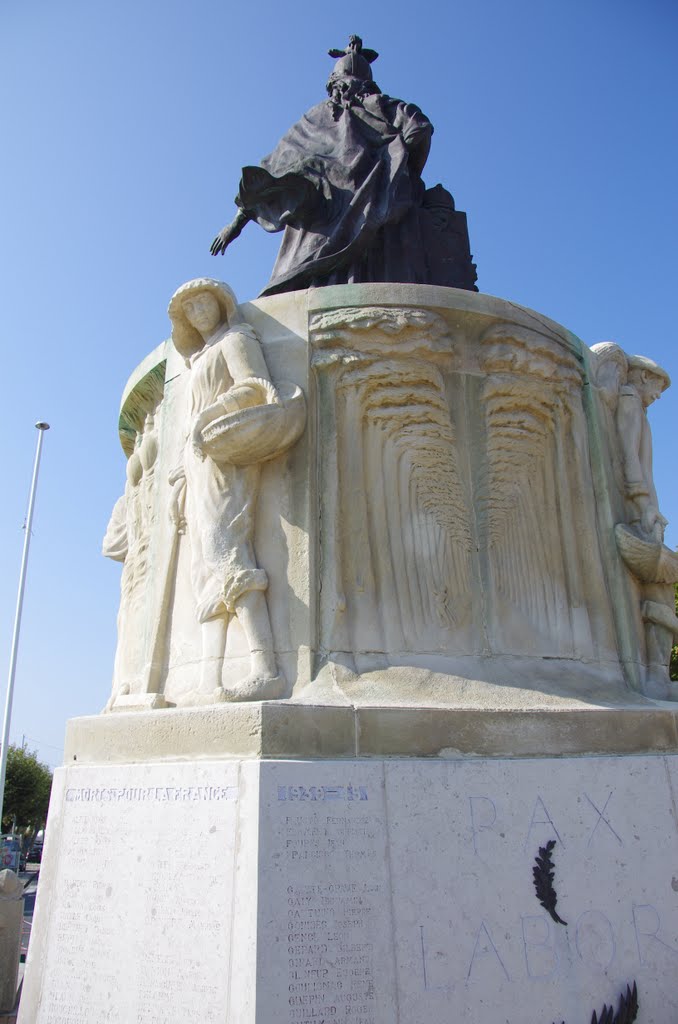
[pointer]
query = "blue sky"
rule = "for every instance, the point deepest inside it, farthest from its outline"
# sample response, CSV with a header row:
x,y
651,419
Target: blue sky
x,y
124,128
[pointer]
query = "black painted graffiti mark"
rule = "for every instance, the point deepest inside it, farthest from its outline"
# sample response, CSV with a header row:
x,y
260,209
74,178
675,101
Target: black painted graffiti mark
x,y
543,873
626,1012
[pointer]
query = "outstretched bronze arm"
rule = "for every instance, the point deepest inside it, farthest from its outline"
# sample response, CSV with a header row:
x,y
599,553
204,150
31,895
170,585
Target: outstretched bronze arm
x,y
229,233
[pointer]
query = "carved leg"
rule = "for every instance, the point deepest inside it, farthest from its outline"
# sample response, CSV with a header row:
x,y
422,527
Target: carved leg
x,y
263,682
657,680
252,612
213,648
661,627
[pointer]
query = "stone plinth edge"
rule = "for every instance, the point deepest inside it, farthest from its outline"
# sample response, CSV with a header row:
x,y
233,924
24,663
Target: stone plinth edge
x,y
280,730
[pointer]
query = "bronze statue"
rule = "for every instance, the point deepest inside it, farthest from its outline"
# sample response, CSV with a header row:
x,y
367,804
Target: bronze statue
x,y
345,185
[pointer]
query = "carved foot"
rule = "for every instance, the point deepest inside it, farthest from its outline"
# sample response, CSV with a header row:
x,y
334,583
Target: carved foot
x,y
658,685
257,687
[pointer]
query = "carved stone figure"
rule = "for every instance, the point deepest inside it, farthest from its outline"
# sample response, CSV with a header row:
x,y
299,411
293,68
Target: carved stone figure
x,y
611,371
645,383
640,539
345,185
127,541
237,419
11,919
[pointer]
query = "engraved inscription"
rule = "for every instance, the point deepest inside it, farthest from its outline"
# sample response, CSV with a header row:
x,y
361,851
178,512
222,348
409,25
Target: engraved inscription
x,y
328,844
349,793
140,932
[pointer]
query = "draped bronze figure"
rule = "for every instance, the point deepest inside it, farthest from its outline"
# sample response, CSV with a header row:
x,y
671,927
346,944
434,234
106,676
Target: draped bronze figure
x,y
345,186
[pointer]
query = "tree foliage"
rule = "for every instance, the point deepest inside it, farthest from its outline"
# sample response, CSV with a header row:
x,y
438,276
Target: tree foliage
x,y
27,788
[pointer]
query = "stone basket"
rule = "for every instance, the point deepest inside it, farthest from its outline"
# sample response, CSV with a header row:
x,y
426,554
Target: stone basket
x,y
258,433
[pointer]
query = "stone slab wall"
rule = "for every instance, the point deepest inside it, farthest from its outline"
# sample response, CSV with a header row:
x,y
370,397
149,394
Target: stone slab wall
x,y
366,891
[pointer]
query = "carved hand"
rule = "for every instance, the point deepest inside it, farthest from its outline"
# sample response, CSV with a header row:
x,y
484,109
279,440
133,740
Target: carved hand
x,y
196,437
207,416
653,522
242,396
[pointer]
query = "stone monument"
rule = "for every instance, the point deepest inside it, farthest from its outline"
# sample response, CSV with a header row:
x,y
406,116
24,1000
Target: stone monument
x,y
11,922
391,734
345,186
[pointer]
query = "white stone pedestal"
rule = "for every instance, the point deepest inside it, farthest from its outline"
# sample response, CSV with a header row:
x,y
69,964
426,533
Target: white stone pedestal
x,y
365,891
11,919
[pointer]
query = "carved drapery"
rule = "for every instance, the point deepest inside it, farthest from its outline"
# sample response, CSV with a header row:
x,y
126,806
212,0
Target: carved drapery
x,y
128,539
185,525
627,385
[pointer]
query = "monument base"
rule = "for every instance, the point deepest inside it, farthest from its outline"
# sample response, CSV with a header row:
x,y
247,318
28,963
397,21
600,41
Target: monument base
x,y
536,726
361,890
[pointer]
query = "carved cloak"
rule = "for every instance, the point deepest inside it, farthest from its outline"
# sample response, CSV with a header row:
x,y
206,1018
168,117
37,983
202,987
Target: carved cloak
x,y
344,183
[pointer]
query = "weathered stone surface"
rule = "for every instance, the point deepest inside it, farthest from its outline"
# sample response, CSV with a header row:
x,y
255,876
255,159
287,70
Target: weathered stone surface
x,y
256,729
628,386
357,890
457,525
232,420
133,915
286,729
11,919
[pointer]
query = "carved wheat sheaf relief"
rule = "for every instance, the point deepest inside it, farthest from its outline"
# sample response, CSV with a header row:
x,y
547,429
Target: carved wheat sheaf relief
x,y
520,424
396,443
526,399
408,440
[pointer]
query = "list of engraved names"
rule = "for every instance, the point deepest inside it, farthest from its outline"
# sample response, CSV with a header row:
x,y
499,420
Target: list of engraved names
x,y
328,838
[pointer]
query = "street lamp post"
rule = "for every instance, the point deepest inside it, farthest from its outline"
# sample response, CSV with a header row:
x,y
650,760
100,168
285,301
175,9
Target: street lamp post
x,y
41,428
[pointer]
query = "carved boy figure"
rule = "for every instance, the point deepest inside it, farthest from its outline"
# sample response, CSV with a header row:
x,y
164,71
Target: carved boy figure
x,y
641,541
645,383
230,395
611,371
